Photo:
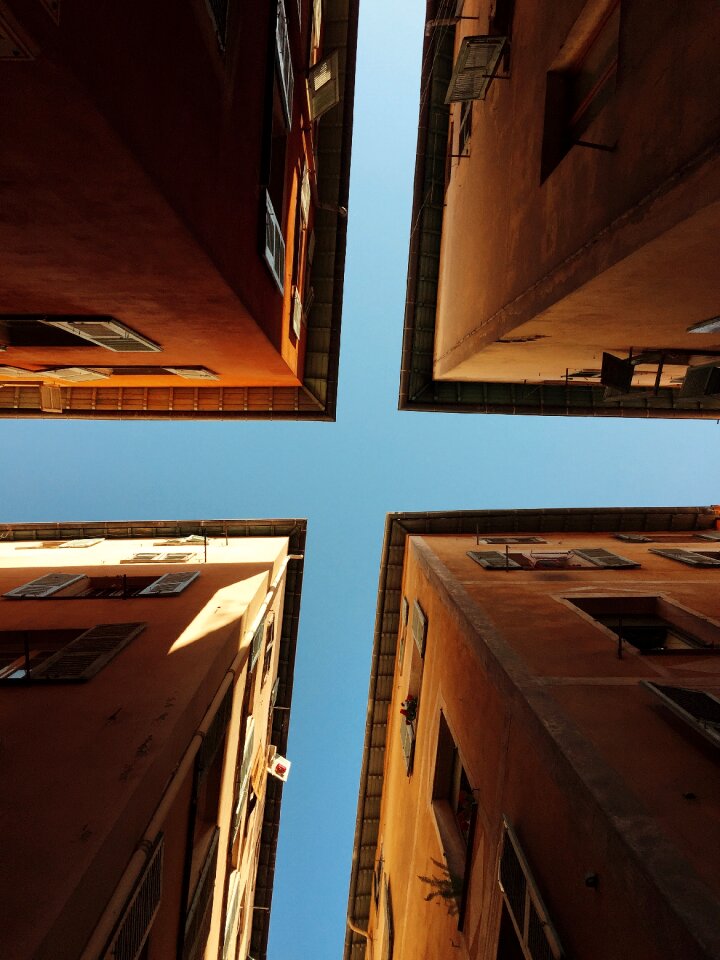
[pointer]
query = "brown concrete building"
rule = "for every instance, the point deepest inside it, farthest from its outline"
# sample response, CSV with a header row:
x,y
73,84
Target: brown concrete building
x,y
566,209
146,673
174,187
540,777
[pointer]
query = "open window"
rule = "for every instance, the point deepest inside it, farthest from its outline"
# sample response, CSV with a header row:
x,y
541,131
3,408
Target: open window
x,y
410,706
529,932
577,559
651,625
581,81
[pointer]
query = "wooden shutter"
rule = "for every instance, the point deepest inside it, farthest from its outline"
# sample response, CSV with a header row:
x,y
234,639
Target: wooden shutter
x,y
475,67
215,736
170,584
85,542
231,918
283,60
603,558
388,927
81,659
419,628
256,644
297,313
197,922
106,333
44,586
707,535
493,560
324,85
633,537
244,773
305,195
512,540
407,739
132,929
76,374
690,557
525,906
193,373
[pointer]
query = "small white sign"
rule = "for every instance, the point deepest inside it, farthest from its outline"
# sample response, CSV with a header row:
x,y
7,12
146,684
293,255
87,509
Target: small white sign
x,y
279,767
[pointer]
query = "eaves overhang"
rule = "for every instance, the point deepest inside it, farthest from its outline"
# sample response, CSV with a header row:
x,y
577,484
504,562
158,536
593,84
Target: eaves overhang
x,y
295,530
419,391
398,527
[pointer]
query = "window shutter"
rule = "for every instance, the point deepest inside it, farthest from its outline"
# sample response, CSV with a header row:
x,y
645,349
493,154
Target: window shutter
x,y
603,558
219,10
197,923
419,627
133,927
256,644
82,658
493,560
193,373
697,708
87,542
512,540
283,60
169,585
44,586
297,314
324,86
214,737
707,535
690,557
76,374
407,739
274,244
106,333
475,67
525,906
51,399
633,538
244,773
305,196
232,912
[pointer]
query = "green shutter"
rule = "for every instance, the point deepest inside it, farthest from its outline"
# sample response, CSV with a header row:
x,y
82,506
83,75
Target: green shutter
x,y
690,557
44,586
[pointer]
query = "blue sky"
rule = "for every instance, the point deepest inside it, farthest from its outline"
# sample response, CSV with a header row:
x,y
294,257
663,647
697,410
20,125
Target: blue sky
x,y
345,477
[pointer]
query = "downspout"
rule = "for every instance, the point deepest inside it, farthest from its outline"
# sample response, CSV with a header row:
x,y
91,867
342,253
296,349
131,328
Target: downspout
x,y
100,936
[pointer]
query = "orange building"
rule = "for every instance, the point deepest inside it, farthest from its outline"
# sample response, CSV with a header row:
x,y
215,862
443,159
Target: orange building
x,y
540,776
566,208
146,672
174,195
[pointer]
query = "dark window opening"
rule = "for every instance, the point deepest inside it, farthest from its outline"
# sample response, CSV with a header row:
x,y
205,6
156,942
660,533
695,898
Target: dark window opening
x,y
509,946
22,651
466,114
28,330
577,91
652,624
278,157
585,559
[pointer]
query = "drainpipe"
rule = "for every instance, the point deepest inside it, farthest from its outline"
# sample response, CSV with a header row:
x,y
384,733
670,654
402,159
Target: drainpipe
x,y
358,930
116,905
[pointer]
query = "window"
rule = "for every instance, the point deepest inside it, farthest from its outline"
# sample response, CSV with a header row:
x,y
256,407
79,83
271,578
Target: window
x,y
531,933
154,557
60,586
693,558
581,81
651,624
50,330
410,706
269,645
283,61
404,613
256,644
242,776
466,112
219,12
511,540
71,654
667,537
454,808
586,558
388,934
419,628
274,250
132,929
377,877
698,708
234,914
